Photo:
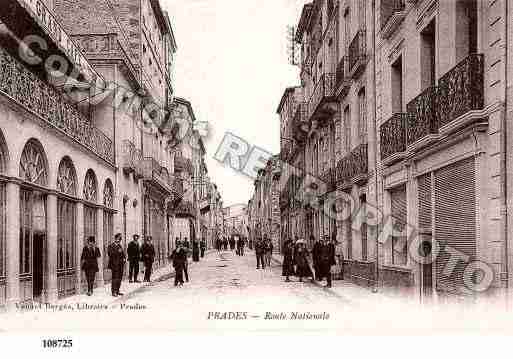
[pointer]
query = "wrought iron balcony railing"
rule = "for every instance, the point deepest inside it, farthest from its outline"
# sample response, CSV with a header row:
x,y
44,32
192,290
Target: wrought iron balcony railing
x,y
157,174
393,135
461,89
324,92
354,167
391,15
342,77
422,118
300,122
42,100
183,164
328,177
132,159
357,53
185,209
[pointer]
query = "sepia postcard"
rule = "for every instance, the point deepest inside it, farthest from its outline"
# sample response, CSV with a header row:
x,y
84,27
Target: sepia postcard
x,y
287,166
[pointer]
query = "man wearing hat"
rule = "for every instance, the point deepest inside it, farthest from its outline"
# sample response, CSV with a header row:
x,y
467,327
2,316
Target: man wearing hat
x,y
116,264
134,256
89,263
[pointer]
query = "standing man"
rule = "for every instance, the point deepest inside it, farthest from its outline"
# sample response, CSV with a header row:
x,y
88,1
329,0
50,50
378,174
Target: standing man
x,y
195,251
326,260
179,257
134,256
187,254
148,256
259,251
89,263
316,252
116,264
268,252
203,247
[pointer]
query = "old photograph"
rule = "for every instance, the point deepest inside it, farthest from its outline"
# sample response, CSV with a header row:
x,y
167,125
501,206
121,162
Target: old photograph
x,y
272,165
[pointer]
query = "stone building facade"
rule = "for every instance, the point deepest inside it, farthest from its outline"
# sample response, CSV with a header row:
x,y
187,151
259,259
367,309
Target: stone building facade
x,y
88,140
264,208
401,115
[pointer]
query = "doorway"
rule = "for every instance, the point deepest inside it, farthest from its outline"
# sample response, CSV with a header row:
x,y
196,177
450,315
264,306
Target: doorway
x,y
32,245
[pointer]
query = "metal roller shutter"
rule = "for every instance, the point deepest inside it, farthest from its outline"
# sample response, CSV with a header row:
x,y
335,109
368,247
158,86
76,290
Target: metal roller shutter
x,y
399,213
455,220
424,188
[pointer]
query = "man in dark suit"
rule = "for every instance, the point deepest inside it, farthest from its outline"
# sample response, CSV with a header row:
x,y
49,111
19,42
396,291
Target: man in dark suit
x,y
326,260
116,264
89,263
179,257
316,252
259,251
148,257
134,256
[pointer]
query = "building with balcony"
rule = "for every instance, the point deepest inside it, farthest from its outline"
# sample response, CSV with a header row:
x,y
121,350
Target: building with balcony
x,y
264,207
86,150
441,78
333,138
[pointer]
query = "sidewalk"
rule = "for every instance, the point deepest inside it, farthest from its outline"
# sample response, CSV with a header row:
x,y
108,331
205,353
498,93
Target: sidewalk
x,y
103,295
348,290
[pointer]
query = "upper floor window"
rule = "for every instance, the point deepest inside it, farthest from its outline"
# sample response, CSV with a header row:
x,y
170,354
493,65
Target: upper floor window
x,y
347,129
397,86
362,116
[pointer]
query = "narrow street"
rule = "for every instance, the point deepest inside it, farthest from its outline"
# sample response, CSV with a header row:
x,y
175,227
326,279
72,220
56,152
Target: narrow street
x,y
221,282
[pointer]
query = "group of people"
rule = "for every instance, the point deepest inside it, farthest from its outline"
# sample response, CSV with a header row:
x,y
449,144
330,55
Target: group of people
x,y
237,245
264,252
135,254
117,260
296,260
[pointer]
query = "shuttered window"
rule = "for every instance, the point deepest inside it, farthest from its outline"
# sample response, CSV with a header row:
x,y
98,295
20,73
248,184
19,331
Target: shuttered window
x,y
424,192
364,231
455,220
398,204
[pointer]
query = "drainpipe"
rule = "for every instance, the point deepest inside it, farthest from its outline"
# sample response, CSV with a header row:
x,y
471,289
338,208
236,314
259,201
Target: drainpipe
x,y
376,269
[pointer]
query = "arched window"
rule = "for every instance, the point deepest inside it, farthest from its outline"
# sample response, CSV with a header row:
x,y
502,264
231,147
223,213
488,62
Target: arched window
x,y
108,194
90,187
90,195
108,225
67,177
33,163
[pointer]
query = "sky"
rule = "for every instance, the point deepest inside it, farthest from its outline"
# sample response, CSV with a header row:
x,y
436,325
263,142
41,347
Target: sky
x,y
232,64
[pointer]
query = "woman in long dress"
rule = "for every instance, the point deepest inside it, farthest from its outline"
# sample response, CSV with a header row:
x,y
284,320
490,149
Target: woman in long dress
x,y
301,258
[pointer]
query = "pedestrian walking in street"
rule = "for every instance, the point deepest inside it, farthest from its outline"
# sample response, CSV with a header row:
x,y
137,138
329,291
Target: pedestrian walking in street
x,y
116,264
195,251
288,260
225,243
89,263
316,252
203,247
134,256
148,257
268,247
326,261
259,251
179,258
301,257
185,246
232,243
